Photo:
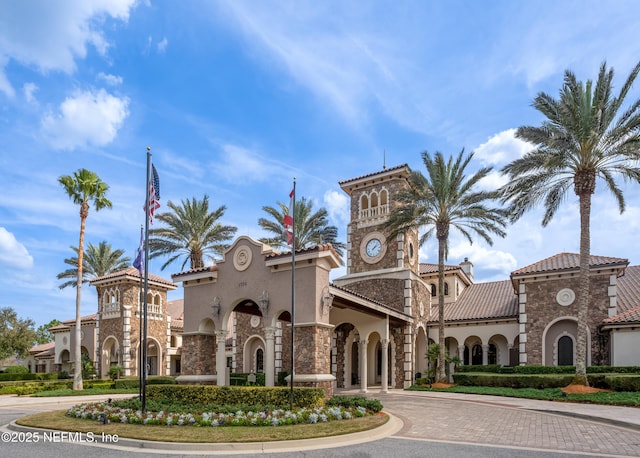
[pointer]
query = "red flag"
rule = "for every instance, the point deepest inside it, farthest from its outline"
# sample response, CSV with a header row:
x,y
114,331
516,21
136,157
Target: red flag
x,y
288,219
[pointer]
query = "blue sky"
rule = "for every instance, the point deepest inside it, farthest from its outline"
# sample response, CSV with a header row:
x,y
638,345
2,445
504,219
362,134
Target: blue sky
x,y
236,98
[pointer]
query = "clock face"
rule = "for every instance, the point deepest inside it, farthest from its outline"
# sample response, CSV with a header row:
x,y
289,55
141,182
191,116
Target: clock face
x,y
373,247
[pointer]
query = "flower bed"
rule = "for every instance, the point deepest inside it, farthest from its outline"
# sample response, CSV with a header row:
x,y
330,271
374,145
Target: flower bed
x,y
107,412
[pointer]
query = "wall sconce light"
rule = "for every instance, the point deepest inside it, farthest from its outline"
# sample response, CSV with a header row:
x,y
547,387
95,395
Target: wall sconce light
x,y
263,303
215,306
327,300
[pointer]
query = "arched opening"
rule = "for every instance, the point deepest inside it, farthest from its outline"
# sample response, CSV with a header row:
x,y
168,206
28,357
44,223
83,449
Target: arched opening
x,y
433,290
565,351
476,355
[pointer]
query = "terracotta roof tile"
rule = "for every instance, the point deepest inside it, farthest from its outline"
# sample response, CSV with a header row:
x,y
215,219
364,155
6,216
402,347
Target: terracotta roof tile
x,y
175,309
481,301
196,270
630,316
628,291
133,272
566,261
42,347
311,249
427,268
391,169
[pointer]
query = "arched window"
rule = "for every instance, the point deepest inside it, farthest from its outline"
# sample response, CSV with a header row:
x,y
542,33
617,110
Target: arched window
x,y
446,288
384,197
433,290
364,202
492,355
565,351
476,355
259,360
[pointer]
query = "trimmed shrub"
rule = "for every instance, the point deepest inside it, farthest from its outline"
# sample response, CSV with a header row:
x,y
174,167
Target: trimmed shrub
x,y
241,379
489,368
223,395
623,382
16,370
355,401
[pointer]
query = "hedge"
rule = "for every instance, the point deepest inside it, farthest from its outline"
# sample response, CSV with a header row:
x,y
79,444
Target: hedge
x,y
134,382
223,395
621,382
4,377
494,368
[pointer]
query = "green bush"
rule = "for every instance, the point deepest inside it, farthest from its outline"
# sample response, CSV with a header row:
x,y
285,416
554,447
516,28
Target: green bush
x,y
476,368
241,379
282,375
223,395
355,401
16,370
623,382
544,369
613,369
513,380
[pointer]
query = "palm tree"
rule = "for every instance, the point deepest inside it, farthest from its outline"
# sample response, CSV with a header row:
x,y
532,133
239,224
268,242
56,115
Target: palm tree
x,y
584,137
82,187
446,199
191,231
310,228
96,262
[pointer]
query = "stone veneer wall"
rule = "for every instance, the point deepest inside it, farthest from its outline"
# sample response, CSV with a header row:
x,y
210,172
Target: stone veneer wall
x,y
342,332
541,308
198,354
313,355
398,340
389,291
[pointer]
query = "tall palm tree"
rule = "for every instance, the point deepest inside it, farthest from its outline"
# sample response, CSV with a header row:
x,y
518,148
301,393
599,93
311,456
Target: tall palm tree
x,y
191,231
443,200
310,228
584,137
83,187
97,261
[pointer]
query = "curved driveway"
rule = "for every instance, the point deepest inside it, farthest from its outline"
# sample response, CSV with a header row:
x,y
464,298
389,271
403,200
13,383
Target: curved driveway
x,y
432,424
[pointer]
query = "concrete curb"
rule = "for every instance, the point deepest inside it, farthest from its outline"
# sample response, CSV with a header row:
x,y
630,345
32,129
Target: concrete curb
x,y
388,429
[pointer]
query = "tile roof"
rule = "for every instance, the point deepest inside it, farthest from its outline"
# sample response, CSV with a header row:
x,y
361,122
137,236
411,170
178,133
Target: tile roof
x,y
196,270
133,272
385,170
628,296
630,316
567,261
427,268
42,349
311,249
481,301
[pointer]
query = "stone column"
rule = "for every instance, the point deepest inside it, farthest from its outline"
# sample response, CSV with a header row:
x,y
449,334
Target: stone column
x,y
270,363
363,366
461,354
485,355
221,360
384,347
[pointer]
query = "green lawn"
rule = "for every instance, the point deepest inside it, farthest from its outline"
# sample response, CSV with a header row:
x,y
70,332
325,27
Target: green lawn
x,y
619,398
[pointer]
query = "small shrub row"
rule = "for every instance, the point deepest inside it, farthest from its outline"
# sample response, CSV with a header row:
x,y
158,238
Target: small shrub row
x,y
242,379
134,382
222,395
621,382
494,368
373,405
21,376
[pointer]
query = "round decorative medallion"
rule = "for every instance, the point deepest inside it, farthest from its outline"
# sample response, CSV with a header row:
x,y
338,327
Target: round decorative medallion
x,y
255,321
373,247
242,258
421,309
565,297
64,340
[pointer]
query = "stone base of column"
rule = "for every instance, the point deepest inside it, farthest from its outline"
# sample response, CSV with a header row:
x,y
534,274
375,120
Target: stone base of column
x,y
196,379
324,381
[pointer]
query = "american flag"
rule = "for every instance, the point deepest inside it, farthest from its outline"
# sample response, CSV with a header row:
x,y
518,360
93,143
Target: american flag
x,y
154,193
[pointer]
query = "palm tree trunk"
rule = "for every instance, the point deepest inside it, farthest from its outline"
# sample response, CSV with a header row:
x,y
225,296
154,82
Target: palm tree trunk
x,y
583,289
77,373
441,373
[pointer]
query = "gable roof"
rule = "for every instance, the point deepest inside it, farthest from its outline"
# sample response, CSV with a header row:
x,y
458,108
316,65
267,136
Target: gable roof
x,y
481,301
567,261
428,268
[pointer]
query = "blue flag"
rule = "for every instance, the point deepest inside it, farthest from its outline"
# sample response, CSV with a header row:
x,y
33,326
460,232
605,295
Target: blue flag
x,y
138,263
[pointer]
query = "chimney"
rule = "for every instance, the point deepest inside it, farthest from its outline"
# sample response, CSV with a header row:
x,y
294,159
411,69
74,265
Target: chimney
x,y
467,268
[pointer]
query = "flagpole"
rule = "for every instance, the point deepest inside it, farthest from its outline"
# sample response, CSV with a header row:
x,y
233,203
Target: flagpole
x,y
140,302
143,364
293,289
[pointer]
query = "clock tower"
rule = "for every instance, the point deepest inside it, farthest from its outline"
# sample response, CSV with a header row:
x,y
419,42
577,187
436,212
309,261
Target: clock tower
x,y
372,201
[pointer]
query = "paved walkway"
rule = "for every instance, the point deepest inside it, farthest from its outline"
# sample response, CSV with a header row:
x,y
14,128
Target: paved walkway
x,y
452,417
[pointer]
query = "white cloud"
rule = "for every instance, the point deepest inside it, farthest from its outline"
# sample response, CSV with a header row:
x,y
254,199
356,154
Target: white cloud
x,y
12,252
85,119
337,204
29,89
111,80
241,165
162,45
490,263
52,35
501,148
